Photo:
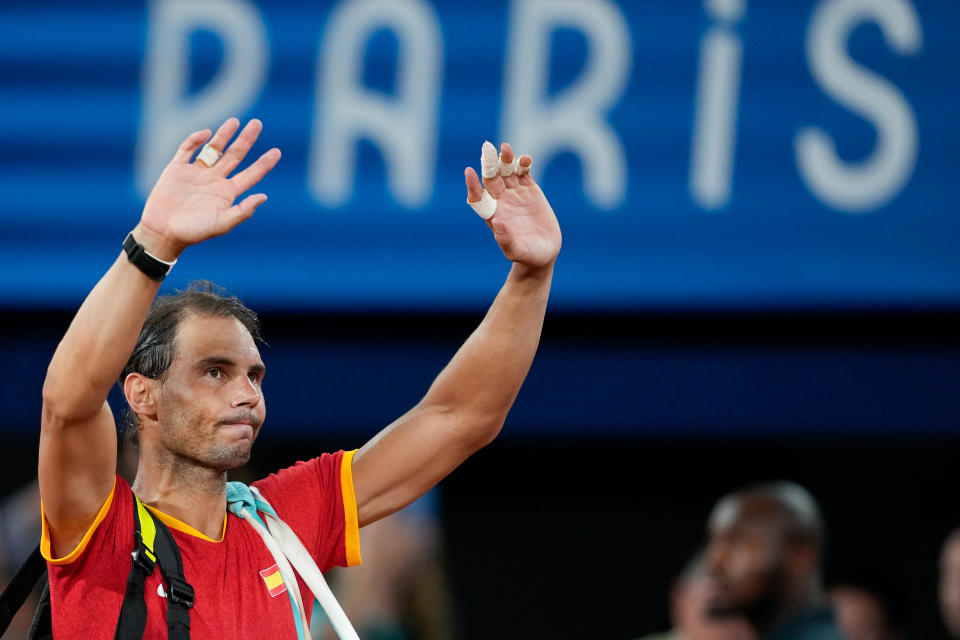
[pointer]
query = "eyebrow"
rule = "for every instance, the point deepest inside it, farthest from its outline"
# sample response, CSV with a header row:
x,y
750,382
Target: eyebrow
x,y
215,361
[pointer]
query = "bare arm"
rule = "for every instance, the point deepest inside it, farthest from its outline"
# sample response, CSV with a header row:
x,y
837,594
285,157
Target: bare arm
x,y
189,204
467,404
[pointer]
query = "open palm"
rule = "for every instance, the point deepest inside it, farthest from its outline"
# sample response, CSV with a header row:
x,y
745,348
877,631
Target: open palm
x,y
524,224
192,202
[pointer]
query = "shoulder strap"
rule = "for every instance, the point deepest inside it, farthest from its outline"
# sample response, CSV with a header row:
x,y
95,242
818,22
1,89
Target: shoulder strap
x,y
153,543
42,626
133,611
20,587
180,594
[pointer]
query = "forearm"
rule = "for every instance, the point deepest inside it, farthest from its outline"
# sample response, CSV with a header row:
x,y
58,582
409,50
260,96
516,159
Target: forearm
x,y
98,343
467,404
482,380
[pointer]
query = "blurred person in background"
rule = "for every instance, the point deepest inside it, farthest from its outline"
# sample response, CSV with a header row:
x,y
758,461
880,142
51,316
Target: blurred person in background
x,y
689,597
400,591
949,588
19,532
763,558
861,613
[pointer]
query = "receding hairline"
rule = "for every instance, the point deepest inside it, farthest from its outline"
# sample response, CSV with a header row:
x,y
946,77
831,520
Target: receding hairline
x,y
796,507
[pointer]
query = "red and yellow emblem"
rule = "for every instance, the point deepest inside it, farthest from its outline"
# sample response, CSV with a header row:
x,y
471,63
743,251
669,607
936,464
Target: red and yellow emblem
x,y
274,581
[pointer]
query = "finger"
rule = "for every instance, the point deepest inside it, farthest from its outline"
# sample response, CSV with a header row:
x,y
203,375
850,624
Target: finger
x,y
222,137
237,151
186,149
242,211
523,170
474,188
490,170
255,172
507,167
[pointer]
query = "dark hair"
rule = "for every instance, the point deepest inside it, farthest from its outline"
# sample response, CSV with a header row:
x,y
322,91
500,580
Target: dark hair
x,y
155,347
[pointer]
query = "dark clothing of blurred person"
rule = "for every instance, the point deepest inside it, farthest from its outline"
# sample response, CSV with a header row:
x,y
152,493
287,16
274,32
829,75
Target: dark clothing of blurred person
x,y
815,624
764,557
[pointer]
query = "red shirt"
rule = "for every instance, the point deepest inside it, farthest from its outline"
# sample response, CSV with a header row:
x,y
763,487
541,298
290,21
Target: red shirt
x,y
235,578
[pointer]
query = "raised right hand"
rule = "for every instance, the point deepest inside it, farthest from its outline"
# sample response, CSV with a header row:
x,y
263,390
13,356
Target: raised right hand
x,y
192,202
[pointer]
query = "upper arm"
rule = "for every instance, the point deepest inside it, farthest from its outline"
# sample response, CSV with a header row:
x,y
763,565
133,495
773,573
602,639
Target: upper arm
x,y
408,458
76,471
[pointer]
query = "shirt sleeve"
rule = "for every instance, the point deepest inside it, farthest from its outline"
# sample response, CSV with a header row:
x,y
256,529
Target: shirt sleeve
x,y
69,556
317,500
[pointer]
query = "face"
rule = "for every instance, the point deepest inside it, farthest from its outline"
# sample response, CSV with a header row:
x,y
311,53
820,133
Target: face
x,y
745,558
211,405
950,584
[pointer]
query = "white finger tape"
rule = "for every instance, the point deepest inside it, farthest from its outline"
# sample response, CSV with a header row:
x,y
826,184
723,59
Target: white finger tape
x,y
489,160
486,207
521,170
509,169
208,155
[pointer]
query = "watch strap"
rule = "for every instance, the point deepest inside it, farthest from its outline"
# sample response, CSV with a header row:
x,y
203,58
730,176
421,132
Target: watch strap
x,y
153,267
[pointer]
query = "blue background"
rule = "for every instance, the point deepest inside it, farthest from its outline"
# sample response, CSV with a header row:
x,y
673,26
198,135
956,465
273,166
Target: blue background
x,y
70,109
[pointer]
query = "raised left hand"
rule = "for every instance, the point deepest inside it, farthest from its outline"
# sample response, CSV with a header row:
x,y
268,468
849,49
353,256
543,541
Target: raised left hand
x,y
524,224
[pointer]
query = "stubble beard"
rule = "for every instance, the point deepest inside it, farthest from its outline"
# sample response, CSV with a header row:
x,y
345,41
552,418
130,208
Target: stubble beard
x,y
193,444
763,609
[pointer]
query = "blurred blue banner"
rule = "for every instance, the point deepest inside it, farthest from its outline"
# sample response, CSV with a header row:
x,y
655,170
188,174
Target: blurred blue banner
x,y
705,155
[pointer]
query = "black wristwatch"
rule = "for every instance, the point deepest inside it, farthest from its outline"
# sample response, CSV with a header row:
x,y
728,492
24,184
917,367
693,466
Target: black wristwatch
x,y
153,267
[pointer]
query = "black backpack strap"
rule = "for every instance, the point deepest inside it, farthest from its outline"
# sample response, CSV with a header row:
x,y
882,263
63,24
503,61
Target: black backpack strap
x,y
154,545
21,587
42,626
179,593
133,611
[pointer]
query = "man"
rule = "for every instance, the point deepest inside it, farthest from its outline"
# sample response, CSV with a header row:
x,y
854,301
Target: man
x,y
192,377
764,557
949,588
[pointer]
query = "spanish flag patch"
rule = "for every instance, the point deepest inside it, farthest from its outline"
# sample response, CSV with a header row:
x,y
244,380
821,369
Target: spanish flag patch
x,y
273,580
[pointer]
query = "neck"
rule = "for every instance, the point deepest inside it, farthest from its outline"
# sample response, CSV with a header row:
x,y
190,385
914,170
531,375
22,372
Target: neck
x,y
801,597
190,492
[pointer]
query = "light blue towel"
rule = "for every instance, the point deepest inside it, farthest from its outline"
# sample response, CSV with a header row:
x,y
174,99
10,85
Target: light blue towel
x,y
240,502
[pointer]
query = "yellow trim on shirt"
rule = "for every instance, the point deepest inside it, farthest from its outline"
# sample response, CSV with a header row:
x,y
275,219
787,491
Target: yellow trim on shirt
x,y
181,526
351,520
45,549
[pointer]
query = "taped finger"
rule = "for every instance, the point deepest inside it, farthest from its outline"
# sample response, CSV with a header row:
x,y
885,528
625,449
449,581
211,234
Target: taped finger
x,y
510,168
489,160
209,155
521,168
486,207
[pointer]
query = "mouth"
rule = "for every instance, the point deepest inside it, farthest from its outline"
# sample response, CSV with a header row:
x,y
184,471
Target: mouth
x,y
238,430
244,418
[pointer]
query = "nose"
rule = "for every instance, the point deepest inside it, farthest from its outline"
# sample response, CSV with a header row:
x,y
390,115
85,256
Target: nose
x,y
246,394
715,557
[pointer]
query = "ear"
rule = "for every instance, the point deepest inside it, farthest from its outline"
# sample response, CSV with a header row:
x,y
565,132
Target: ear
x,y
140,392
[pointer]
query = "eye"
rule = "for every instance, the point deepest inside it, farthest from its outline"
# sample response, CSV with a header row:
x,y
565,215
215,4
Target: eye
x,y
254,377
215,373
